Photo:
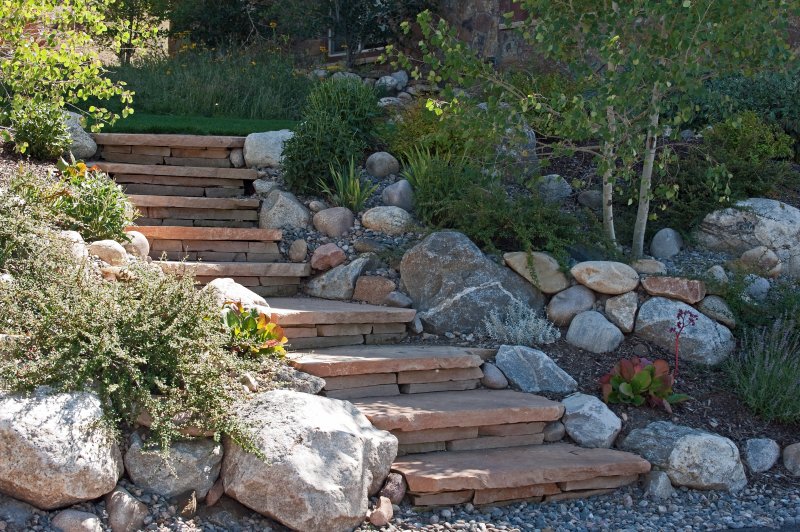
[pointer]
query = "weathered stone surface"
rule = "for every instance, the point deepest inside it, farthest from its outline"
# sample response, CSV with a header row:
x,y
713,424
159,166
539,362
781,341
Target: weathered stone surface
x,y
621,311
402,79
237,158
521,466
593,199
553,188
398,300
394,488
298,381
338,283
15,514
564,306
649,267
717,309
791,459
554,431
77,521
532,371
470,408
686,290
399,194
77,245
373,289
606,277
327,256
125,513
589,421
298,250
188,465
666,243
547,275
265,149
707,342
137,245
658,486
388,220
60,434
382,515
264,187
493,378
381,164
760,454
324,453
756,287
388,85
229,290
82,145
334,222
281,209
690,457
591,331
762,261
755,222
452,284
109,251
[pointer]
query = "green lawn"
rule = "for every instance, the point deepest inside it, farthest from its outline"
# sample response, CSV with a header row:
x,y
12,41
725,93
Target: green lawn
x,y
196,125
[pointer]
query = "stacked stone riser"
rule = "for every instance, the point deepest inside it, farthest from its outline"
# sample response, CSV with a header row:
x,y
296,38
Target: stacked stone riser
x,y
173,150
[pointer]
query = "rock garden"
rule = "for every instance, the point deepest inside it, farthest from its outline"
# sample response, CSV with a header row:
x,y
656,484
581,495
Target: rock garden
x,y
450,297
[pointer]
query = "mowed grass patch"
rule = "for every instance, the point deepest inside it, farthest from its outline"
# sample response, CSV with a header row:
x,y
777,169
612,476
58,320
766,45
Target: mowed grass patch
x,y
195,125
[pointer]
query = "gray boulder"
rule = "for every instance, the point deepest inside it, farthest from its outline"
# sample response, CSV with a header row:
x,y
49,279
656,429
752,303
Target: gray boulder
x,y
298,381
265,149
338,283
55,450
137,245
567,304
226,289
401,76
493,378
532,371
82,145
756,287
591,331
187,465
708,342
125,512
553,188
77,521
657,485
755,222
452,284
388,220
791,459
388,84
264,187
381,164
691,457
666,243
717,309
592,199
281,209
334,222
760,454
324,460
621,311
589,421
399,194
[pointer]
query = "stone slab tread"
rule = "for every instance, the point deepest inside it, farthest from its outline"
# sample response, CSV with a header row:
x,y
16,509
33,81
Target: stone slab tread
x,y
173,141
232,269
292,312
175,171
164,232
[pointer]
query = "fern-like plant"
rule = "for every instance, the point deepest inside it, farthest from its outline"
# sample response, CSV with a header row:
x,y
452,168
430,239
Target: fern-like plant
x,y
348,188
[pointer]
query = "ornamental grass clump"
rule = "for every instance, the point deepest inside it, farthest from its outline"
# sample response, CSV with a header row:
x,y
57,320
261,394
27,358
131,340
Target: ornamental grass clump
x,y
520,325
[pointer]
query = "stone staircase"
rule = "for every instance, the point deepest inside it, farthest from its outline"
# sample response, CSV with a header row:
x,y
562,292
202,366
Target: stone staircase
x,y
458,442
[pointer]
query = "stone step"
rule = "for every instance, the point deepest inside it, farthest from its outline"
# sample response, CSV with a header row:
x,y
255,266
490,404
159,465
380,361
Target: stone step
x,y
208,233
172,141
551,471
175,171
307,312
234,269
174,202
469,408
400,361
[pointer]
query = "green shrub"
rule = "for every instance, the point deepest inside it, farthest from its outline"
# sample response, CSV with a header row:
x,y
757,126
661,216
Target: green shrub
x,y
24,219
321,140
348,188
783,296
765,372
39,129
355,103
747,139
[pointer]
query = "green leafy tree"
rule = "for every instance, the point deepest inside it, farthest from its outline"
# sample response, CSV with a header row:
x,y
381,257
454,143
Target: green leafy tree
x,y
48,57
133,25
640,65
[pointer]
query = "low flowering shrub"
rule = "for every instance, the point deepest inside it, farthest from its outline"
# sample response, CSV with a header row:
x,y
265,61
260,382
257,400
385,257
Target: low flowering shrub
x,y
252,334
638,381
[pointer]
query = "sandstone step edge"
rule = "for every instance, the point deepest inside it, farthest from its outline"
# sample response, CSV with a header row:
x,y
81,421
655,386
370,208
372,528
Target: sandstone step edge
x,y
169,140
164,232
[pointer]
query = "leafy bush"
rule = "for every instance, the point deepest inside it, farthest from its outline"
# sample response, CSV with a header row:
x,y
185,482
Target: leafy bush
x,y
348,188
252,334
638,381
320,141
747,139
39,129
355,103
783,296
23,221
766,371
520,325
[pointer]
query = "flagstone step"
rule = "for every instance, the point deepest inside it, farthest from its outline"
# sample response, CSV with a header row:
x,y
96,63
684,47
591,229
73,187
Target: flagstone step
x,y
310,312
141,201
173,141
233,269
112,168
551,471
208,233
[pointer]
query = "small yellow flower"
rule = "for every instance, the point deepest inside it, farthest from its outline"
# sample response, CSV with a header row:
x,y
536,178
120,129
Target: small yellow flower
x,y
323,49
273,24
253,63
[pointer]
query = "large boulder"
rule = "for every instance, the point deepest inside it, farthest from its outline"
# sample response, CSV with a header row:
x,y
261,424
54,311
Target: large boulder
x,y
553,188
334,222
589,421
281,209
187,465
707,342
323,460
755,222
621,311
453,284
265,149
55,450
228,290
666,243
82,145
109,251
532,371
399,194
564,306
382,164
540,269
592,332
690,457
388,220
338,283
606,277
